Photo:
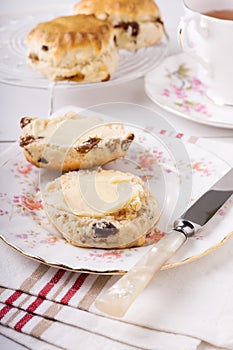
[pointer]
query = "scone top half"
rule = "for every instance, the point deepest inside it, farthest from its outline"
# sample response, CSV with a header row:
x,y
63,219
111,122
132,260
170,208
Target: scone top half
x,y
73,141
137,23
78,47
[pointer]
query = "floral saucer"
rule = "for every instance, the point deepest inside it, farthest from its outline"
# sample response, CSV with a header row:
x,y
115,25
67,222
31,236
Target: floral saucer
x,y
174,86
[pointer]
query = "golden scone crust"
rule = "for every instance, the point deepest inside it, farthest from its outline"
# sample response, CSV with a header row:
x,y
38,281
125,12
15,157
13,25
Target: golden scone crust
x,y
137,23
79,48
70,32
133,10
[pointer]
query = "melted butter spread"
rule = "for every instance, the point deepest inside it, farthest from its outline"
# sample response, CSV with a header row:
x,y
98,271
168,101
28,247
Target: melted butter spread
x,y
99,193
72,129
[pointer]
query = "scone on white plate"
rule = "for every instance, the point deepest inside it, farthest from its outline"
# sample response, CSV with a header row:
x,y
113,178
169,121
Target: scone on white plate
x,y
137,23
72,141
78,48
101,208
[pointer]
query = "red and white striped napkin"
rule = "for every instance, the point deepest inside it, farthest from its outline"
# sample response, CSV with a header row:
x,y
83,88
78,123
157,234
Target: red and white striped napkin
x,y
52,308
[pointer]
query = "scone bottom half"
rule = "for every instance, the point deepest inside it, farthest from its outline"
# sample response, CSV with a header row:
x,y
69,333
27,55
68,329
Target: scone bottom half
x,y
137,23
101,208
79,48
71,142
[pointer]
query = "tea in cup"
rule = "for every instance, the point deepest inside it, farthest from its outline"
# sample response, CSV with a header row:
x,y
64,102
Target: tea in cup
x,y
206,33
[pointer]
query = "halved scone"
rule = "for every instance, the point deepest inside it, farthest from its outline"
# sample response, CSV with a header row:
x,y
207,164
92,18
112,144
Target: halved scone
x,y
79,48
137,23
72,141
101,208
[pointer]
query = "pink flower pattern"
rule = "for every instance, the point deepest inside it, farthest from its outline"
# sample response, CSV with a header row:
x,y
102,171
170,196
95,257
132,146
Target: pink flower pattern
x,y
166,93
180,88
31,203
202,167
147,161
24,168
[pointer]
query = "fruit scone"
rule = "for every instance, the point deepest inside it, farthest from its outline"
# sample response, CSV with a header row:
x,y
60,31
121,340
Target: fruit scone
x,y
79,48
100,208
72,141
137,23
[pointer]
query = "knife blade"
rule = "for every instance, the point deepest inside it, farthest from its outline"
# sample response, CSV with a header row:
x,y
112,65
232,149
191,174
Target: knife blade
x,y
118,298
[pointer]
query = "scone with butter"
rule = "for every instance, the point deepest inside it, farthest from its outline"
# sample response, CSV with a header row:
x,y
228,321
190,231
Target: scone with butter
x,y
72,141
137,23
100,208
79,48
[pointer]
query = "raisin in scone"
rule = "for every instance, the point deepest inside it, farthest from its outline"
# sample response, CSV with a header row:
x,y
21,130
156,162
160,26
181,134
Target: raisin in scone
x,y
137,23
72,141
100,208
79,48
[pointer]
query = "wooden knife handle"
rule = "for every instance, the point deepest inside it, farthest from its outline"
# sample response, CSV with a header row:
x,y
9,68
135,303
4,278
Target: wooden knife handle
x,y
117,299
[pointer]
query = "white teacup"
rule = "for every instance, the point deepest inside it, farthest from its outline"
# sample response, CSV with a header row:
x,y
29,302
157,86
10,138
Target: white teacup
x,y
209,41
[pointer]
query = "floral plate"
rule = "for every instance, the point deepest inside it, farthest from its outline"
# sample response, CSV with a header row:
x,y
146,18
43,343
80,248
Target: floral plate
x,y
176,170
175,87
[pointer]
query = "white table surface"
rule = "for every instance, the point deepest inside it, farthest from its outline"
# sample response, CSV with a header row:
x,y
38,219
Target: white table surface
x,y
16,101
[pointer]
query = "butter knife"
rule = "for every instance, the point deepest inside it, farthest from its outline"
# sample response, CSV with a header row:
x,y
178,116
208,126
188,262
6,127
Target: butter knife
x,y
118,298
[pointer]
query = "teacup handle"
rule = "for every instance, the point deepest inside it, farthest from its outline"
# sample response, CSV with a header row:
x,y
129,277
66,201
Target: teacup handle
x,y
184,40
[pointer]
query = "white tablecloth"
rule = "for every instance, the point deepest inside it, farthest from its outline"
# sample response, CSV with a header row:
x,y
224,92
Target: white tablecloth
x,y
191,306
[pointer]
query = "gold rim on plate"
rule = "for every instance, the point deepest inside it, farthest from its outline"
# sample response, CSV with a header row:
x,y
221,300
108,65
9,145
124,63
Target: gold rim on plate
x,y
116,272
